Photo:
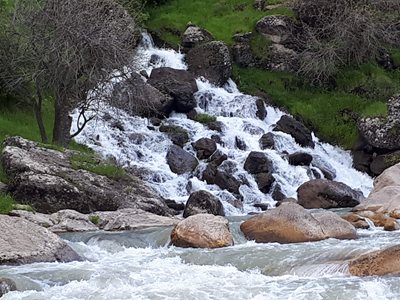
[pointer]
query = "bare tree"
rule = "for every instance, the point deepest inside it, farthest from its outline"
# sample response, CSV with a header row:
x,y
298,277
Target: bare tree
x,y
68,50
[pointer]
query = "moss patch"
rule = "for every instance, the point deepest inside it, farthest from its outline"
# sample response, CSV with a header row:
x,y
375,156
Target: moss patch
x,y
6,203
205,118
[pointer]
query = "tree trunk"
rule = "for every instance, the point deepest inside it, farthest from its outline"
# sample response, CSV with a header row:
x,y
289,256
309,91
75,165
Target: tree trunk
x,y
37,108
62,122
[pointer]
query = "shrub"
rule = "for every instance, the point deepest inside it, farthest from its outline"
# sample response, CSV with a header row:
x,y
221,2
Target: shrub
x,y
204,118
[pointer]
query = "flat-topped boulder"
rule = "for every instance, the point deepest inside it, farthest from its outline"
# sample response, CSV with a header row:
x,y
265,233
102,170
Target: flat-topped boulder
x,y
202,231
23,242
291,223
46,179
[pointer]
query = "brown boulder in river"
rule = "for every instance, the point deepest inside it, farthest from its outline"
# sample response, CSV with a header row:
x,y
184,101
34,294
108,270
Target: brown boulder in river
x,y
291,223
202,231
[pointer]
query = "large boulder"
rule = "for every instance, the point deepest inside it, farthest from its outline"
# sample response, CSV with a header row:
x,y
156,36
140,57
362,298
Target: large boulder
x,y
203,202
320,193
137,97
202,231
211,60
377,263
194,36
385,196
383,133
300,159
258,162
181,161
45,179
205,147
300,133
23,242
291,223
179,84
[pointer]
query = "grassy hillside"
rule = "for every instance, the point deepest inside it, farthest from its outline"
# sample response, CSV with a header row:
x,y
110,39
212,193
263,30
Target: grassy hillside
x,y
362,90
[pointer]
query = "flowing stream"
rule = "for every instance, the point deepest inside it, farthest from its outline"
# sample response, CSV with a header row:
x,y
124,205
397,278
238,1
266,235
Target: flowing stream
x,y
142,265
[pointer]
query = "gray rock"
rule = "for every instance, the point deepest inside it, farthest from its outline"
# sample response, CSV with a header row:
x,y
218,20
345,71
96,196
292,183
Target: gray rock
x,y
7,285
23,242
258,162
260,5
320,193
300,133
40,219
382,162
179,84
212,61
137,97
130,219
203,202
264,181
194,36
267,141
225,180
45,179
325,167
181,161
205,147
300,159
70,221
177,135
277,28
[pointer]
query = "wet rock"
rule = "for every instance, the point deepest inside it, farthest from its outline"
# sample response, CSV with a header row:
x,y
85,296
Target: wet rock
x,y
130,219
391,225
320,193
258,162
175,205
252,129
326,168
137,97
267,141
205,147
216,125
23,242
45,179
262,206
212,61
278,194
203,202
181,161
286,200
264,181
226,181
377,263
6,285
395,214
356,220
290,223
217,158
71,221
194,36
240,144
261,110
300,133
202,231
379,219
300,159
179,84
178,135
361,161
155,121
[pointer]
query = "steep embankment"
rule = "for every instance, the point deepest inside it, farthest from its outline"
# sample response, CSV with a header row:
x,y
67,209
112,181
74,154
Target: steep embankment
x,y
324,110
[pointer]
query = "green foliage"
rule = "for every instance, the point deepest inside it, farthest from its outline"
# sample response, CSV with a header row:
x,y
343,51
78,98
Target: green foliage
x,y
95,219
223,18
395,55
6,203
205,118
94,164
260,46
322,110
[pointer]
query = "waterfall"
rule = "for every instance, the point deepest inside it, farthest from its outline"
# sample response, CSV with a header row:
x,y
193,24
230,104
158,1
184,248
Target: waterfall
x,y
144,147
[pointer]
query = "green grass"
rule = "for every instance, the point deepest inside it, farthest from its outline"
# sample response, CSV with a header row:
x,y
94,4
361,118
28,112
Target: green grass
x,y
92,163
320,109
205,118
223,18
95,219
6,203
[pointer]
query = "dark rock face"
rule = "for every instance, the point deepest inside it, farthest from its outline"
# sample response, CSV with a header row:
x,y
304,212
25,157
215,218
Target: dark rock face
x,y
267,141
257,162
205,147
23,242
45,179
181,161
194,36
179,84
300,159
175,205
217,158
203,202
300,133
264,181
225,180
216,125
240,144
7,285
261,110
327,170
137,97
212,61
321,193
178,135
382,162
278,194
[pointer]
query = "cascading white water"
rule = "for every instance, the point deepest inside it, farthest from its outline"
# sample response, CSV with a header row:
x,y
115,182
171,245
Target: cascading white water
x,y
141,146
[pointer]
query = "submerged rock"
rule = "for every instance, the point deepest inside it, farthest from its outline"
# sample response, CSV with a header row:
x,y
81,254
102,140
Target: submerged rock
x,y
23,242
377,263
320,193
203,202
212,61
290,223
300,133
202,231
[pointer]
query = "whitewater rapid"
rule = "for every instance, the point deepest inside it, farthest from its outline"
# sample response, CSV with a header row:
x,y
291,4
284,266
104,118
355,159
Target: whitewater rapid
x,y
142,146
